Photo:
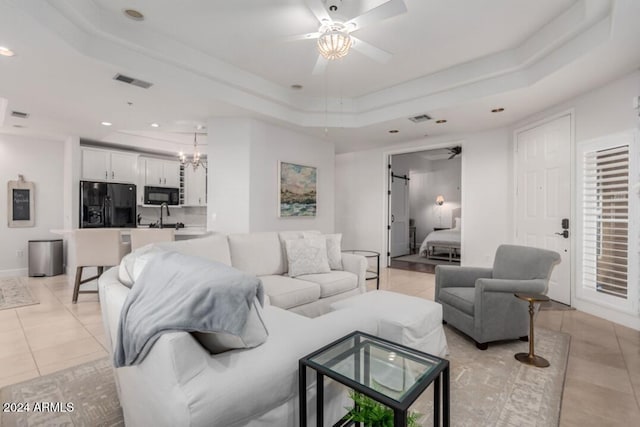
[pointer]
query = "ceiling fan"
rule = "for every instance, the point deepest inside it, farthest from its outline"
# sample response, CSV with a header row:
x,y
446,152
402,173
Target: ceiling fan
x,y
335,33
454,151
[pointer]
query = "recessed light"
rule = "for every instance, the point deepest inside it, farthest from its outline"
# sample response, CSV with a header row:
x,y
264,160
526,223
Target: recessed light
x,y
394,131
296,87
133,14
5,51
497,110
106,123
441,121
155,125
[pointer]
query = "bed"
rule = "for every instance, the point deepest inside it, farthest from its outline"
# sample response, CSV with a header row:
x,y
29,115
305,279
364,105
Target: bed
x,y
443,244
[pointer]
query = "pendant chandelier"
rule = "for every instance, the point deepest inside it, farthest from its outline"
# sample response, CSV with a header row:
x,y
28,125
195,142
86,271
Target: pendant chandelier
x,y
195,160
335,41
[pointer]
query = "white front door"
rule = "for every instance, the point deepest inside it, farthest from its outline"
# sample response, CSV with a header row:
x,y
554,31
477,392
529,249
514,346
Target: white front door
x,y
399,217
543,196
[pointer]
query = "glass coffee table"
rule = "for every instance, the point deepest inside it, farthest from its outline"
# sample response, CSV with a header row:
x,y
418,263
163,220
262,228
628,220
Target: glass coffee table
x,y
389,373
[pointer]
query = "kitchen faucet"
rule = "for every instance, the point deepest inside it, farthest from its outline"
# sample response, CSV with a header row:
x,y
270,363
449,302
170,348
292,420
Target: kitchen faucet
x,y
164,204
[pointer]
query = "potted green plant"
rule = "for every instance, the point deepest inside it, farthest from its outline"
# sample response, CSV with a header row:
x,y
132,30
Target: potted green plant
x,y
373,414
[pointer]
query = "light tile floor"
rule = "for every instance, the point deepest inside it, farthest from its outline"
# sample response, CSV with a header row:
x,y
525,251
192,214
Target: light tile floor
x,y
602,386
50,336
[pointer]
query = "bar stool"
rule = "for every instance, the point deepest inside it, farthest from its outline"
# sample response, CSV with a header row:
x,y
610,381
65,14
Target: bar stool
x,y
96,248
144,236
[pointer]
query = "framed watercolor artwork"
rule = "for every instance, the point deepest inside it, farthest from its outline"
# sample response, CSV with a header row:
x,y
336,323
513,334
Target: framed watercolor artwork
x,y
297,192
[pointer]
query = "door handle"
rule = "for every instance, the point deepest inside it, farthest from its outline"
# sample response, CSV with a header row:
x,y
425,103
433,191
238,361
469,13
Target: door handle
x,y
565,234
393,218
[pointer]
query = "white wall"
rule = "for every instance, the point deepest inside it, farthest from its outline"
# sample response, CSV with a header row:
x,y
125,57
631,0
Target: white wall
x,y
41,162
361,193
271,144
243,157
486,186
228,190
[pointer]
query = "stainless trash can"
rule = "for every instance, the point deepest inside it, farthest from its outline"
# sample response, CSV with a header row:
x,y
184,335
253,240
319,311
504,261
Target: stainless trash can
x,y
45,258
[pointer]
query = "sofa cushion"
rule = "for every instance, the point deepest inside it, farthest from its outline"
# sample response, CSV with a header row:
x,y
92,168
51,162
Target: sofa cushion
x,y
286,292
333,283
307,256
133,263
460,298
213,247
254,333
257,253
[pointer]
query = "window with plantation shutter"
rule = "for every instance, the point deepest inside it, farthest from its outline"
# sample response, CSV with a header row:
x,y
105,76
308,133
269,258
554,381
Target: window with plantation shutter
x,y
608,178
606,220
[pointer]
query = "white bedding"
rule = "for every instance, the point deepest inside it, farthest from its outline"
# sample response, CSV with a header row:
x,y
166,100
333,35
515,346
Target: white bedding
x,y
449,236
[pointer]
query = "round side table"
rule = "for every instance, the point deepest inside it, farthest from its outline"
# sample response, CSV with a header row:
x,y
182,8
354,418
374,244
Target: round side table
x,y
370,274
530,358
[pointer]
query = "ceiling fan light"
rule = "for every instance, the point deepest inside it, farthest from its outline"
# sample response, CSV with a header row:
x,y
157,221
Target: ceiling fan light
x,y
334,44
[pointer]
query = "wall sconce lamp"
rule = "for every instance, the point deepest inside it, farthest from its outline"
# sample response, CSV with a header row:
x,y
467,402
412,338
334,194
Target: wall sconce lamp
x,y
440,200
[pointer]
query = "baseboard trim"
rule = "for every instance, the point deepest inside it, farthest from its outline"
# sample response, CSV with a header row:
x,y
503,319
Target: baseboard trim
x,y
14,272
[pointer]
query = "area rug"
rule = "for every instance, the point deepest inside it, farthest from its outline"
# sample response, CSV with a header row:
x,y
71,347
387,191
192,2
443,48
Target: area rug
x,y
491,388
488,388
14,293
424,260
90,388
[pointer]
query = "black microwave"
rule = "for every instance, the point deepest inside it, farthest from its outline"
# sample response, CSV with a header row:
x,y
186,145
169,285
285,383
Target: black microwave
x,y
160,195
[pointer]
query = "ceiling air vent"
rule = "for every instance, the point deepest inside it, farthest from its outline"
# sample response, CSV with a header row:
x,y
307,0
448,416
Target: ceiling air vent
x,y
420,118
19,114
131,81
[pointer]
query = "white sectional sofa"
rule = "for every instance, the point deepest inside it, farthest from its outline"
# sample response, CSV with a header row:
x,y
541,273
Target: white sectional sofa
x,y
179,383
263,255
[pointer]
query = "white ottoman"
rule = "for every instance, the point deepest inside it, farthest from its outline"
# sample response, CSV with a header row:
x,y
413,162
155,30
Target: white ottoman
x,y
410,321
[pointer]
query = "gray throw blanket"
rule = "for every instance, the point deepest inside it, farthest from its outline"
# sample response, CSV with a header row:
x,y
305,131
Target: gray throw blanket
x,y
177,292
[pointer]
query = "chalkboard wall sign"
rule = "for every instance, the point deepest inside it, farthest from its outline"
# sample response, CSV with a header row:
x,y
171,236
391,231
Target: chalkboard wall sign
x,y
21,209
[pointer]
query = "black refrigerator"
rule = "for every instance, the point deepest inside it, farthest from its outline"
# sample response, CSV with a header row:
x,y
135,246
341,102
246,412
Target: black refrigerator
x,y
105,204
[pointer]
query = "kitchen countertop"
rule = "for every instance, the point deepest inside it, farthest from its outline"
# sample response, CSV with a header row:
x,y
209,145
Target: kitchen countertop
x,y
186,231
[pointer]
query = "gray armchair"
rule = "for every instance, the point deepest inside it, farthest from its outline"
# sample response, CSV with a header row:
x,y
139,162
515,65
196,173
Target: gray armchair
x,y
480,301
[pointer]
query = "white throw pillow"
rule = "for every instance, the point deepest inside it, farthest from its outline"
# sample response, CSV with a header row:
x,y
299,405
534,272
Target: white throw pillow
x,y
254,333
334,250
307,256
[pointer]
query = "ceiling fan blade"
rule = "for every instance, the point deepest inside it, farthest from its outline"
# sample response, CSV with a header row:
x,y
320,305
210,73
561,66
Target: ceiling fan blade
x,y
370,50
321,65
318,9
379,13
308,36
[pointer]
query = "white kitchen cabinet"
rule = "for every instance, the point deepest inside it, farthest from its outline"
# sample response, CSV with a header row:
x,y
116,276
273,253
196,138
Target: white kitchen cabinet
x,y
195,186
106,165
124,167
162,173
171,173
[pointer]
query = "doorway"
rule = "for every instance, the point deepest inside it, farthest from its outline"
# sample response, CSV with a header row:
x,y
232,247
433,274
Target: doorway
x,y
544,198
424,200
